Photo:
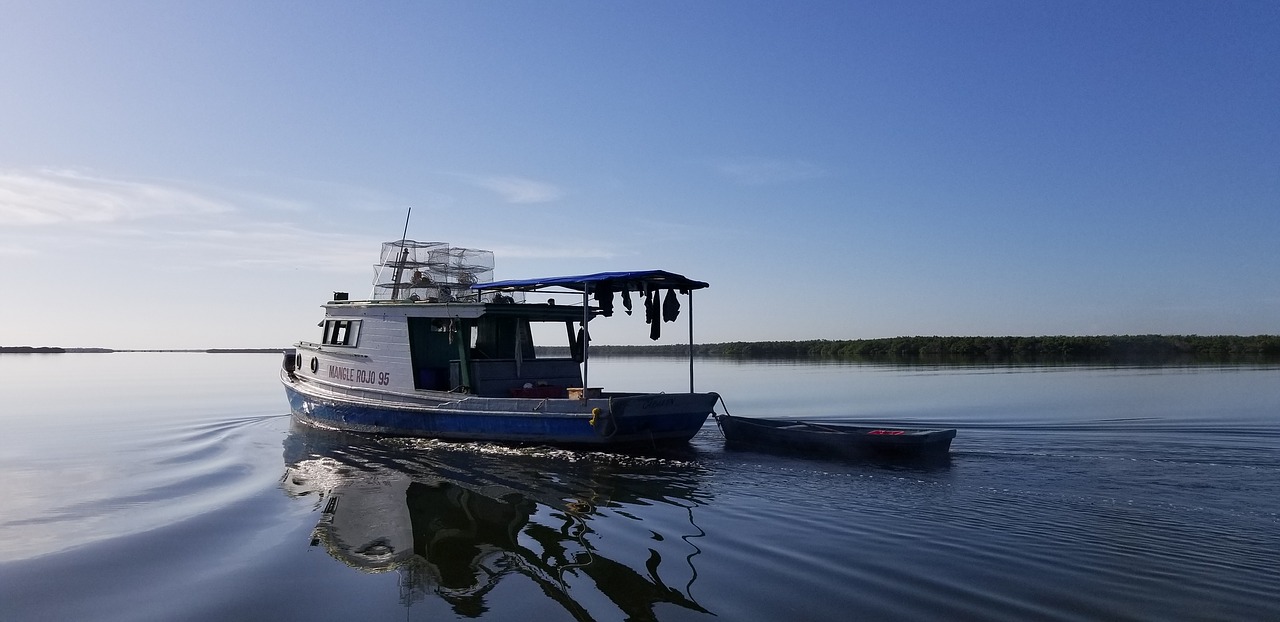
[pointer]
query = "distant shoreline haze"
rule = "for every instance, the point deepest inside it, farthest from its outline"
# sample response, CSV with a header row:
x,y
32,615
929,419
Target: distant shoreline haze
x,y
959,350
60,350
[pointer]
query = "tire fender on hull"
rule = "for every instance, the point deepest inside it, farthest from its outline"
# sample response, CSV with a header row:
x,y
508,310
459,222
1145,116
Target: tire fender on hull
x,y
604,421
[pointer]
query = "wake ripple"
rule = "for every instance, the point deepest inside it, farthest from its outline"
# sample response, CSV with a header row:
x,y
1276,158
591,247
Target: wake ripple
x,y
161,476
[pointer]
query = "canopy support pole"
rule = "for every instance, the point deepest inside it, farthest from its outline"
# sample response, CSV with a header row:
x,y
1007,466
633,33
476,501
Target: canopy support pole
x,y
691,341
586,317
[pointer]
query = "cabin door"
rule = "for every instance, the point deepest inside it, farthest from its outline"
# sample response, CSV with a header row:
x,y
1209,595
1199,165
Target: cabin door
x,y
431,352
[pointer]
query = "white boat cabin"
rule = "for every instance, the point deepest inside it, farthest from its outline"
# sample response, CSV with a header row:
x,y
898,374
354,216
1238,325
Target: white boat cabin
x,y
438,326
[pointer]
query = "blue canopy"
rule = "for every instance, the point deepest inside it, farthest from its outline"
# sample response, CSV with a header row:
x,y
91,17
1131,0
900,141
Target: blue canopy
x,y
616,281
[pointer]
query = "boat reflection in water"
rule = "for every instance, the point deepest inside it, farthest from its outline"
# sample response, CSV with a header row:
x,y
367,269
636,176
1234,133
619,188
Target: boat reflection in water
x,y
455,520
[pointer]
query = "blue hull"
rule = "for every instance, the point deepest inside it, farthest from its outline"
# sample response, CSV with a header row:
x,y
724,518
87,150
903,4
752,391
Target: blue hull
x,y
630,427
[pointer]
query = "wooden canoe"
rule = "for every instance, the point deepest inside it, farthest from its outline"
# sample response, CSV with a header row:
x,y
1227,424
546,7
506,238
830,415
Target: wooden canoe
x,y
835,439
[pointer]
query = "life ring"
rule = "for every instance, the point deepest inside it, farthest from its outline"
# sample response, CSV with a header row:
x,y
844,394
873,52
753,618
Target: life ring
x,y
315,365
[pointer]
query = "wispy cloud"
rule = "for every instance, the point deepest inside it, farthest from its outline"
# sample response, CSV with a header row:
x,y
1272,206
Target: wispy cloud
x,y
516,189
184,225
270,245
760,171
16,251
50,197
553,252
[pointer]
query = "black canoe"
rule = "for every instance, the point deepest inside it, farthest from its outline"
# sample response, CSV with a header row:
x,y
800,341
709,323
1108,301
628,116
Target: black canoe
x,y
835,439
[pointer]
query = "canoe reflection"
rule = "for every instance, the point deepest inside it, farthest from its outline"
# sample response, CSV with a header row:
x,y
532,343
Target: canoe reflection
x,y
455,521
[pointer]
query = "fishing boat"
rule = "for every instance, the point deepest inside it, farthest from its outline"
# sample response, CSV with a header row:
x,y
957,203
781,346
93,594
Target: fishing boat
x,y
834,439
441,350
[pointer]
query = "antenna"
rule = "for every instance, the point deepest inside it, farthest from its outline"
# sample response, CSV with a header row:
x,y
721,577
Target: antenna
x,y
404,255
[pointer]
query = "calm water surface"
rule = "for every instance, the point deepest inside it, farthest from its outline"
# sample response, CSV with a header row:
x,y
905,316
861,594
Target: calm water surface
x,y
176,487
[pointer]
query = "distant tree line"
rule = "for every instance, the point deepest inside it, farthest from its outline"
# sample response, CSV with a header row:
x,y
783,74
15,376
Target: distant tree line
x,y
1121,349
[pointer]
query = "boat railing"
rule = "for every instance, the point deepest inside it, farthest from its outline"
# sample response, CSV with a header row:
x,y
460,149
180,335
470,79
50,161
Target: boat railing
x,y
505,377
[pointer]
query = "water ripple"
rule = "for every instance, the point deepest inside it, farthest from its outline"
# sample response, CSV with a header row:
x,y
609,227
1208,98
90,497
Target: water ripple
x,y
154,479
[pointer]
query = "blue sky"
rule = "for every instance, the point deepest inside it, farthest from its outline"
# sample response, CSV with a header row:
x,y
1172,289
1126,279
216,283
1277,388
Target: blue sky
x,y
205,174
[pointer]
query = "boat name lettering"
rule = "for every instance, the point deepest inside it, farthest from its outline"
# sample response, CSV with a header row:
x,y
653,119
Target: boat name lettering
x,y
657,402
353,374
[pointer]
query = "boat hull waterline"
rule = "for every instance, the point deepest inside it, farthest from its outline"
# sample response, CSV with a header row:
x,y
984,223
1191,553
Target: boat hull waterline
x,y
619,420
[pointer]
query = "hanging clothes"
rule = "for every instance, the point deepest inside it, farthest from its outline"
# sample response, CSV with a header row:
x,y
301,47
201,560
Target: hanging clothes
x,y
653,311
604,298
626,300
670,306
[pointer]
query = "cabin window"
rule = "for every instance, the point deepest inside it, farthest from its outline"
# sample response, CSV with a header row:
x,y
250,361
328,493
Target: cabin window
x,y
341,332
499,338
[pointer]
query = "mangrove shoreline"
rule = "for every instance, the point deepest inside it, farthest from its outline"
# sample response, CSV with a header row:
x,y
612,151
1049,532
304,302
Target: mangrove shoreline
x,y
1114,349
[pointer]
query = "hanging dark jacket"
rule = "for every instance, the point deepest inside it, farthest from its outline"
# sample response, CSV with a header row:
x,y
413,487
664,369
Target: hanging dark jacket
x,y
670,306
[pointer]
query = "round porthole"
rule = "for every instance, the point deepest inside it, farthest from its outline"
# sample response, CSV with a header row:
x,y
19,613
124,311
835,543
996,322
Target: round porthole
x,y
315,365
